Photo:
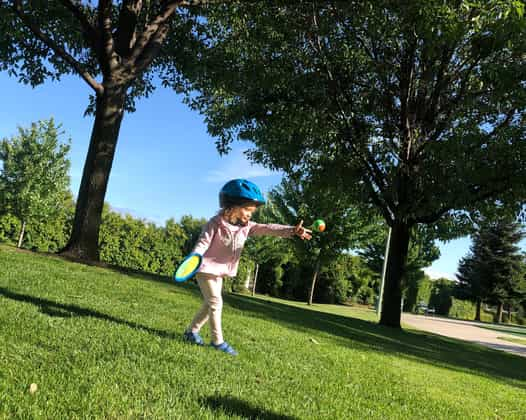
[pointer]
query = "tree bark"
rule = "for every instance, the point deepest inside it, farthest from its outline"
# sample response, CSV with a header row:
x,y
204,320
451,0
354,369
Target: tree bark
x,y
314,276
477,313
84,239
398,247
21,236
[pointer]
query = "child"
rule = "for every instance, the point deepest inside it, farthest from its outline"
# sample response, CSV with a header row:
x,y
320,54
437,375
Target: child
x,y
220,244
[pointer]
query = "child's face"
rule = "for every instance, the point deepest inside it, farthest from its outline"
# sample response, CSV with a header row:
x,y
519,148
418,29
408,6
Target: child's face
x,y
243,214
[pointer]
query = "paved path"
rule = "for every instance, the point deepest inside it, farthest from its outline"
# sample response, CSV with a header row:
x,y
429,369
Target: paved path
x,y
464,330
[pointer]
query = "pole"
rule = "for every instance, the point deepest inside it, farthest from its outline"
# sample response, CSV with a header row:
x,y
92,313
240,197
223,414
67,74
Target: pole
x,y
255,279
384,269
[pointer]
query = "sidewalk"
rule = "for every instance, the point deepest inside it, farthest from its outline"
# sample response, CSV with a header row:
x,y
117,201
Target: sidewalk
x,y
464,330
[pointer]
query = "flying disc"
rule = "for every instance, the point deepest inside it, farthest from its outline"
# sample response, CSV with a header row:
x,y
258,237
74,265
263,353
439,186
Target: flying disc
x,y
188,267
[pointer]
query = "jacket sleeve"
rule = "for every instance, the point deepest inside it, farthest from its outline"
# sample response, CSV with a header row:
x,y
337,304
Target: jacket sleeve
x,y
205,239
258,229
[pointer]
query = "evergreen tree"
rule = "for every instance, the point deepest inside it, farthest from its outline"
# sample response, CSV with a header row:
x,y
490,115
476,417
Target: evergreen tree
x,y
493,271
507,284
472,275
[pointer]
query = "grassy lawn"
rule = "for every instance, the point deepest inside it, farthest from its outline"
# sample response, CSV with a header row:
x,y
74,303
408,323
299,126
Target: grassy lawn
x,y
508,329
102,344
513,340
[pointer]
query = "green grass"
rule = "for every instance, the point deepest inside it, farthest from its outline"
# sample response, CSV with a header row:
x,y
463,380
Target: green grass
x,y
103,344
513,340
508,329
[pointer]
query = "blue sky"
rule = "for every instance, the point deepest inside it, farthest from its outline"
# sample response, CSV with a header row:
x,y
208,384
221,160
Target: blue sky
x,y
166,165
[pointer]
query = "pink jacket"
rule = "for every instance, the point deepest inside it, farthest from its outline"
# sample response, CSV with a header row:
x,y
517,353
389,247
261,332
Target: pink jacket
x,y
221,243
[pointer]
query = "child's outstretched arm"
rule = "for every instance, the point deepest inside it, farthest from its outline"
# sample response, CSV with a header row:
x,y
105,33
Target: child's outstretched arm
x,y
302,232
284,231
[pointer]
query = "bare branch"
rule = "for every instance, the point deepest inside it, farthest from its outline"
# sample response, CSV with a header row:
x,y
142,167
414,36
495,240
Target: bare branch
x,y
50,43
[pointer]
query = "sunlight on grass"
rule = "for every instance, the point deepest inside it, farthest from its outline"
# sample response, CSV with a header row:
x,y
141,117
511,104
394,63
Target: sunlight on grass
x,y
101,344
513,340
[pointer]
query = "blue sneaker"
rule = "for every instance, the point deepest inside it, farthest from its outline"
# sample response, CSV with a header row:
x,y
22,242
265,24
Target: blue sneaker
x,y
225,347
193,338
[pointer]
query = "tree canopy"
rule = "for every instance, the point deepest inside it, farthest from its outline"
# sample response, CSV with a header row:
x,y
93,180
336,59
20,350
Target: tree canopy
x,y
117,48
415,107
34,179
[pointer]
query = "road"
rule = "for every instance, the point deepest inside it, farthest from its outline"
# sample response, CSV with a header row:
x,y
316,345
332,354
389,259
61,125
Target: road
x,y
465,330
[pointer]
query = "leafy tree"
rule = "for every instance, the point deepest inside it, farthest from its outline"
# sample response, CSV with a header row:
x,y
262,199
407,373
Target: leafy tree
x,y
507,263
472,276
192,228
34,181
269,254
117,48
300,199
414,281
9,228
422,251
425,288
417,107
441,298
141,245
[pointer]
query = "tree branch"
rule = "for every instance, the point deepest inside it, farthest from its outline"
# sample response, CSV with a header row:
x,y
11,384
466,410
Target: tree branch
x,y
383,206
406,111
89,32
478,196
50,43
432,217
504,123
450,107
151,49
152,29
126,31
104,10
376,174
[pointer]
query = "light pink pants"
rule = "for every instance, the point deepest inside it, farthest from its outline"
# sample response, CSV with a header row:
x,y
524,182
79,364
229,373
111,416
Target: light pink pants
x,y
212,307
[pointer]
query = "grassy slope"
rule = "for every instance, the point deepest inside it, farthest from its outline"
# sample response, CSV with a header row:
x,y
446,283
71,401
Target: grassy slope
x,y
99,343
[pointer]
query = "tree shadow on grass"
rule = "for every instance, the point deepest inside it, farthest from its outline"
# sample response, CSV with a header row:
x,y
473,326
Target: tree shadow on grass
x,y
236,407
62,310
414,345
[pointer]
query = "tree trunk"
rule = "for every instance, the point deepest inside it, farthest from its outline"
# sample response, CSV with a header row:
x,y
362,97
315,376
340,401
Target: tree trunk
x,y
499,312
398,246
314,276
84,239
477,313
21,237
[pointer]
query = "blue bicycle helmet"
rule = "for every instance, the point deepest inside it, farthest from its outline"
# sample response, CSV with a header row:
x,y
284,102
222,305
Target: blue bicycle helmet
x,y
238,192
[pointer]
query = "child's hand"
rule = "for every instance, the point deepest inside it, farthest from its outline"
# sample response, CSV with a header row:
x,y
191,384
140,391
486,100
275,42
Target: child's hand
x,y
303,233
